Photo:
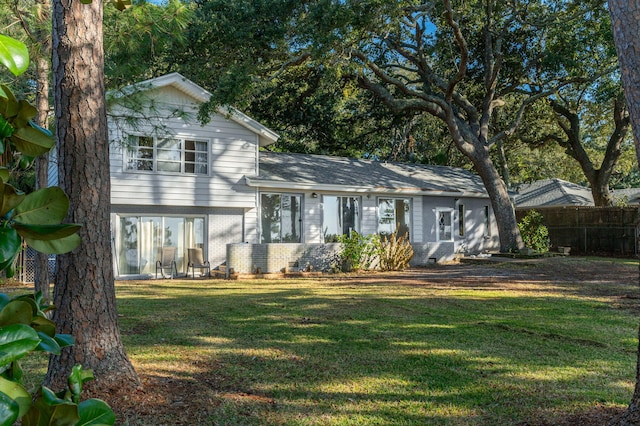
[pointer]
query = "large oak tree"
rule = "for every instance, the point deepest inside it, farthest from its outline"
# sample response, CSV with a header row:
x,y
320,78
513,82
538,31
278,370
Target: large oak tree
x,y
474,66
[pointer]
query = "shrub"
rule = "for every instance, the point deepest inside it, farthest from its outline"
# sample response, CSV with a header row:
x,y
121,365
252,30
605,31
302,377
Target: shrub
x,y
534,234
359,252
396,252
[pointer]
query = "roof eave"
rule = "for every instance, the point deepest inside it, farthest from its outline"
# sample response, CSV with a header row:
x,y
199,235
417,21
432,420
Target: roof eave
x,y
308,186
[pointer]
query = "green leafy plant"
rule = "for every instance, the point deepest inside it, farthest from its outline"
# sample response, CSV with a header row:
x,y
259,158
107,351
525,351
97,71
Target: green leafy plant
x,y
534,234
352,250
35,218
388,253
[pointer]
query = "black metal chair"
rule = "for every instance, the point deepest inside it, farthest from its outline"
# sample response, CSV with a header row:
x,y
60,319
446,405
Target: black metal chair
x,y
196,261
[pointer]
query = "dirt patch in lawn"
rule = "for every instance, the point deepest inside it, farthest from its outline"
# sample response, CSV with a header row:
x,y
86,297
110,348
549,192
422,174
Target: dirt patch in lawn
x,y
180,401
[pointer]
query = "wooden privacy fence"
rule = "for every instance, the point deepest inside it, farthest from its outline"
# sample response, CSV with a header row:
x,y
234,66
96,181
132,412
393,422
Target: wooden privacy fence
x,y
591,230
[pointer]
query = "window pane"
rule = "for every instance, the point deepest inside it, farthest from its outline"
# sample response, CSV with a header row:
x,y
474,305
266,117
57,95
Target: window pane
x,y
403,217
270,218
164,166
350,215
140,153
461,214
174,236
487,223
386,216
331,226
290,228
394,215
444,226
128,256
196,157
150,241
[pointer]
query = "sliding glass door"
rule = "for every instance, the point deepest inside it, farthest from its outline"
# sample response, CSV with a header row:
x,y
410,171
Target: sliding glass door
x,y
141,239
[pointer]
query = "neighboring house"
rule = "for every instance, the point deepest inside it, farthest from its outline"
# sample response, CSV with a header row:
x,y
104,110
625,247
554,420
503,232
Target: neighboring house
x,y
177,182
553,192
626,197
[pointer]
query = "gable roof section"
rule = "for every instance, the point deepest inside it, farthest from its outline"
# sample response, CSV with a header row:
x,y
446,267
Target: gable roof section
x,y
292,172
553,192
200,95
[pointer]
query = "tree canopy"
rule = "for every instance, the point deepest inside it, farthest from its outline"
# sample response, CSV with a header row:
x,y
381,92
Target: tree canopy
x,y
475,67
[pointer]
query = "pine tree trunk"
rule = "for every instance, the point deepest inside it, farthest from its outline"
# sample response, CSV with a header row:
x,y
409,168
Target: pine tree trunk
x,y
41,280
84,293
625,19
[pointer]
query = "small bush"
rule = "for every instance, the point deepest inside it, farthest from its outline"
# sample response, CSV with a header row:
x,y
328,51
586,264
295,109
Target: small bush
x,y
360,252
396,252
534,234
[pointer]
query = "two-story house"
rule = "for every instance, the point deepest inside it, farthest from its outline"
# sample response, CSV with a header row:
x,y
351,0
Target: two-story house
x,y
178,182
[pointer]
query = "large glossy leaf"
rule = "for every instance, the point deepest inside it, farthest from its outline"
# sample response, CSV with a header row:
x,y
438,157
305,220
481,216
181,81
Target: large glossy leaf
x,y
9,105
48,344
46,232
31,300
11,198
47,206
10,243
14,55
44,325
6,129
16,341
59,246
18,393
26,113
5,174
31,141
64,340
4,300
95,412
16,312
57,411
9,410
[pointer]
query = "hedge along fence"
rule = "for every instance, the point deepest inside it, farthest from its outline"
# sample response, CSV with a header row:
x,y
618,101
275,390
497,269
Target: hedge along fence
x,y
591,230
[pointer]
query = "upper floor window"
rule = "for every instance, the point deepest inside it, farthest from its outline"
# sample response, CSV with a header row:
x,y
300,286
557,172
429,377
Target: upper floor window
x,y
341,215
394,214
173,155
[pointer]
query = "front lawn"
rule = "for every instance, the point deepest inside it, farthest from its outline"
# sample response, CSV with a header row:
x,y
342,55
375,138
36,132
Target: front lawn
x,y
450,345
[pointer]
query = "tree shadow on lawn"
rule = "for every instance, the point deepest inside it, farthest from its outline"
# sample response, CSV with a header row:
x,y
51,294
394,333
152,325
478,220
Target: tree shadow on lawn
x,y
296,356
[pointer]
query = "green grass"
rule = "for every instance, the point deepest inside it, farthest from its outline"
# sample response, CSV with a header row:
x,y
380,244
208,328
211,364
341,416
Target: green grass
x,y
327,352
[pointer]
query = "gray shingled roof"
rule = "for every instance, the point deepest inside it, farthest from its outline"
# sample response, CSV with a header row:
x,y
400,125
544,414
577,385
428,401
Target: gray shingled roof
x,y
626,196
316,171
553,192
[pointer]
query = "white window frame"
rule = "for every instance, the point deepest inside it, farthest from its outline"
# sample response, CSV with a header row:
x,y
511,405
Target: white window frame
x,y
450,213
300,198
132,155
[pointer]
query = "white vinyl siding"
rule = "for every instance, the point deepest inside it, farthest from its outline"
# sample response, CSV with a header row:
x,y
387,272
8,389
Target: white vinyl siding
x,y
232,155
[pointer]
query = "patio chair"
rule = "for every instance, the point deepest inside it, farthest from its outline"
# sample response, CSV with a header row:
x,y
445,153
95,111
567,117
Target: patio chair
x,y
167,261
196,261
